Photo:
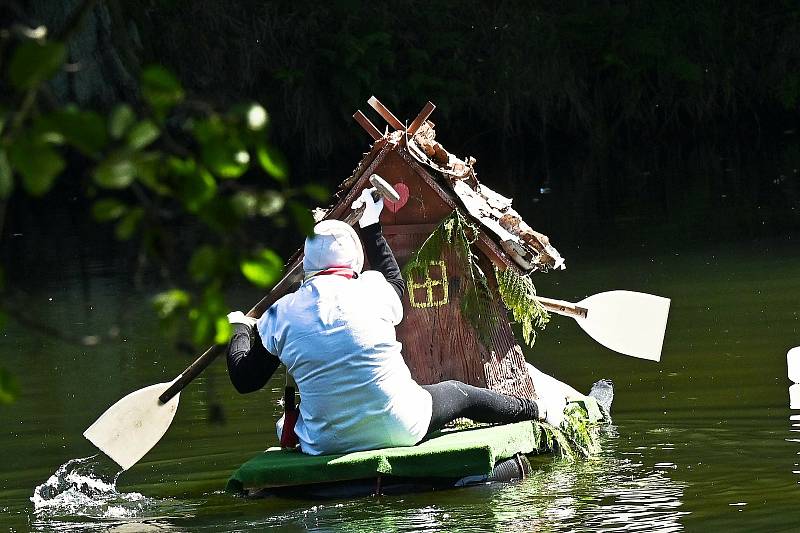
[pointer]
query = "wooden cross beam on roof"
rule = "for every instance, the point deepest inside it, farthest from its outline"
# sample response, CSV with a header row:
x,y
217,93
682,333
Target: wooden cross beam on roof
x,y
367,124
421,118
393,121
387,115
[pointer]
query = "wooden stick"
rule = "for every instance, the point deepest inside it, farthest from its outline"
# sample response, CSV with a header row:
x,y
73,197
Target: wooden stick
x,y
562,307
367,124
421,118
385,113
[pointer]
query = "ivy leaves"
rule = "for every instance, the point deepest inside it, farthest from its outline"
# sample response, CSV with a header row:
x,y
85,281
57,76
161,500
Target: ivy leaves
x,y
477,300
519,297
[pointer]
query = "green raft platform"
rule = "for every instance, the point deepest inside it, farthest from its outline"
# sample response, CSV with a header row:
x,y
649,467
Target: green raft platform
x,y
452,458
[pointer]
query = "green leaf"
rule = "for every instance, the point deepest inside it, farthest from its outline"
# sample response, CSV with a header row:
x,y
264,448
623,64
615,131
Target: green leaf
x,y
117,172
203,323
317,192
270,203
160,88
203,264
226,159
224,331
9,388
211,129
266,204
108,209
221,215
148,168
37,163
144,133
127,226
264,269
273,162
519,296
207,318
167,302
197,189
302,217
85,130
120,120
34,62
245,203
6,176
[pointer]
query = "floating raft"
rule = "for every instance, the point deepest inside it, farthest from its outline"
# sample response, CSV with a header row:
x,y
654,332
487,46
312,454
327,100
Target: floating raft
x,y
450,457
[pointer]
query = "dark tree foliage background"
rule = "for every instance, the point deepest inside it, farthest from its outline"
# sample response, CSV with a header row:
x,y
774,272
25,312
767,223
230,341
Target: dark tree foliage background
x,y
627,113
606,121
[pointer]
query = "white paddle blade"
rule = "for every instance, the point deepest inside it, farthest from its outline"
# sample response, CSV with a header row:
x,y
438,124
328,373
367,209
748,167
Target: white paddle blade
x,y
132,426
793,364
794,396
631,323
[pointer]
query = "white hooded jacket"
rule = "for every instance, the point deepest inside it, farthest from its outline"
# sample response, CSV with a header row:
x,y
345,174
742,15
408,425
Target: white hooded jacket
x,y
336,337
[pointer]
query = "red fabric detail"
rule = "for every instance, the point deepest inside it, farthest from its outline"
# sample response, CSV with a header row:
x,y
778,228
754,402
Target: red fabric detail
x,y
288,437
345,272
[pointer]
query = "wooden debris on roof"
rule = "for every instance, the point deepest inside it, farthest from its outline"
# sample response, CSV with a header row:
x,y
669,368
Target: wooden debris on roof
x,y
530,249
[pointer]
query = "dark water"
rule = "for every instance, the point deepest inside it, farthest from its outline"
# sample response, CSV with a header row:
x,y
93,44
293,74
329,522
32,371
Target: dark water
x,y
703,440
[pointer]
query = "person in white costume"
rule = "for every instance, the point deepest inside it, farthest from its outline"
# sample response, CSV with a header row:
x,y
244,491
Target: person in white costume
x,y
336,337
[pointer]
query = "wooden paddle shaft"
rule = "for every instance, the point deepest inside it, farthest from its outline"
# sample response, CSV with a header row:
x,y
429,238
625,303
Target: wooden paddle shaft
x,y
562,307
287,284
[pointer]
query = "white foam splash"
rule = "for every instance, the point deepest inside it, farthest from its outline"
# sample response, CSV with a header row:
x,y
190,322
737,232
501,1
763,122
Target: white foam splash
x,y
80,487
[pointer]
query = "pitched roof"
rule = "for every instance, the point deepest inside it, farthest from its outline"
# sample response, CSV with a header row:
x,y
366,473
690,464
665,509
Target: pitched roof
x,y
455,179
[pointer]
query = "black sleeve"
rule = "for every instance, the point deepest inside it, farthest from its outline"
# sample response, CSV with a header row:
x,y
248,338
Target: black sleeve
x,y
381,258
250,365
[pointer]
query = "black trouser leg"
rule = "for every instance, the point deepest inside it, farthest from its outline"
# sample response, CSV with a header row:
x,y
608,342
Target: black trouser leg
x,y
453,399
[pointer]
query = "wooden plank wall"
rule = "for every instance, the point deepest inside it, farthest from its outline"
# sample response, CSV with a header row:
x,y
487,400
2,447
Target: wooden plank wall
x,y
438,343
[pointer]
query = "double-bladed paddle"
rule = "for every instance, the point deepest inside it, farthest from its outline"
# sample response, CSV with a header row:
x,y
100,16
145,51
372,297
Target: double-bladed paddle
x,y
631,323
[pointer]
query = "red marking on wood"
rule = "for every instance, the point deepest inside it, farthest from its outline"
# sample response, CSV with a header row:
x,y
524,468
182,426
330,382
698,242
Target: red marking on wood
x,y
402,190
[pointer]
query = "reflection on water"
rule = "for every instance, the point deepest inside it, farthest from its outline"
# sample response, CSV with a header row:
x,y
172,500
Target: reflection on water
x,y
612,492
608,493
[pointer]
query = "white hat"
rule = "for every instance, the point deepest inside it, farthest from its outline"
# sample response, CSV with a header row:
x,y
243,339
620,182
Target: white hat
x,y
334,244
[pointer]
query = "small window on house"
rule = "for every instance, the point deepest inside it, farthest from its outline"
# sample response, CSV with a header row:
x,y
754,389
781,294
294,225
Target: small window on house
x,y
430,288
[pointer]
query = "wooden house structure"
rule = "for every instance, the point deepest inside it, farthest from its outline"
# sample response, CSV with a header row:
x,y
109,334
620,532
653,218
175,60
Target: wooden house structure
x,y
439,343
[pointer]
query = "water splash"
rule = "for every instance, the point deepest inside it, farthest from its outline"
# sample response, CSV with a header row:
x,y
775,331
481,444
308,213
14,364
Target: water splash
x,y
82,495
86,487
